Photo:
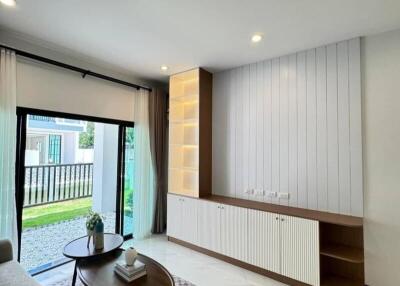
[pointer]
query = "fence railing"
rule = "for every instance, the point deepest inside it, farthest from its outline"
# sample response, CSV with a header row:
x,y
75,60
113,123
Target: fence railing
x,y
52,183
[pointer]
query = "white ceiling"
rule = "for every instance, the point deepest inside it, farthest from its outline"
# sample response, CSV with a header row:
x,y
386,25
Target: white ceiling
x,y
140,35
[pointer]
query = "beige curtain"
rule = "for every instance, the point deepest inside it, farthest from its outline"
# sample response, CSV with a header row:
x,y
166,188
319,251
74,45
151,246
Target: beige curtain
x,y
143,200
158,147
8,134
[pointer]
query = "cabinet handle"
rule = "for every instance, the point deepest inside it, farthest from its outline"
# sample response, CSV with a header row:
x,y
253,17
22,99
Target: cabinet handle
x,y
277,218
219,207
282,219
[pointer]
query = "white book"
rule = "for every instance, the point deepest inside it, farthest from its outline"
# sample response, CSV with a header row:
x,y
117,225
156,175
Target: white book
x,y
130,278
131,269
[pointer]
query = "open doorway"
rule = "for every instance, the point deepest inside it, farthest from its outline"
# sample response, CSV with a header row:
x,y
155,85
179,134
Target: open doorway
x,y
70,165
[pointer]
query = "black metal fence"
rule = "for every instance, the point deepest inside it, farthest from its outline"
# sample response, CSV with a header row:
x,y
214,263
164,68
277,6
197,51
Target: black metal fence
x,y
52,183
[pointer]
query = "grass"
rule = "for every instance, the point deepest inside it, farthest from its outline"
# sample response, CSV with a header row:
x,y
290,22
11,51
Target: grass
x,y
55,212
128,201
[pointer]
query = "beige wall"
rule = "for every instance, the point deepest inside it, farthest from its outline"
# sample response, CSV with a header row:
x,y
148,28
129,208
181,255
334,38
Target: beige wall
x,y
381,130
51,88
47,87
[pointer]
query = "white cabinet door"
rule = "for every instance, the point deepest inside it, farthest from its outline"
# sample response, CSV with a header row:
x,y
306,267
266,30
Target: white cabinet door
x,y
234,234
264,240
209,234
300,249
189,220
173,216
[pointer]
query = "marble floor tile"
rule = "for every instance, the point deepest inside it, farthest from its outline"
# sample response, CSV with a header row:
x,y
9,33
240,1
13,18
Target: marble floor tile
x,y
200,269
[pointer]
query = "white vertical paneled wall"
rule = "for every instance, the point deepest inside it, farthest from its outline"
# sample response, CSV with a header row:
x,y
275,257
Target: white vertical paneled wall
x,y
292,125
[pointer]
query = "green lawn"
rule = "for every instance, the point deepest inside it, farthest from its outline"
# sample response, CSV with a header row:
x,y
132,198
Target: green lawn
x,y
55,212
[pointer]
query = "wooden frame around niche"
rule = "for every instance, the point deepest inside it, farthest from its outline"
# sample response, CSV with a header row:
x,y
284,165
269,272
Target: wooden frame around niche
x,y
205,136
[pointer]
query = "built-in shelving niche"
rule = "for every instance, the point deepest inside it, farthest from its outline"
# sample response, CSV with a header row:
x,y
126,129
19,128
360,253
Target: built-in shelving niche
x,y
341,255
189,121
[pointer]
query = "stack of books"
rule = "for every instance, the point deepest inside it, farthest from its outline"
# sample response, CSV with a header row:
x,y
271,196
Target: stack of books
x,y
130,273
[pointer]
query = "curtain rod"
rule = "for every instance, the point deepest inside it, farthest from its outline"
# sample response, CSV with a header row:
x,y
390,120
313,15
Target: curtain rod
x,y
73,68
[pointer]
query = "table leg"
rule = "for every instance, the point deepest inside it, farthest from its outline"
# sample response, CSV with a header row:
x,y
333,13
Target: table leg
x,y
74,277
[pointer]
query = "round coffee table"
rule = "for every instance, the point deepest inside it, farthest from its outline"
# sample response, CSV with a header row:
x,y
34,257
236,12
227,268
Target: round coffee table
x,y
78,249
100,272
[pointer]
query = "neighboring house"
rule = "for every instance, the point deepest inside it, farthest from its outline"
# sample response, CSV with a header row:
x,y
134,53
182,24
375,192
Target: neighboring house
x,y
55,141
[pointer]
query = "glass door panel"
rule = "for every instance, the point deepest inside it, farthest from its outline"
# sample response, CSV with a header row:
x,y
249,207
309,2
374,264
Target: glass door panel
x,y
69,167
128,183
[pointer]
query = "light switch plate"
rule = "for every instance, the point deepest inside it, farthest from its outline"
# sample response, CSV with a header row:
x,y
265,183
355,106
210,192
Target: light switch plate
x,y
284,196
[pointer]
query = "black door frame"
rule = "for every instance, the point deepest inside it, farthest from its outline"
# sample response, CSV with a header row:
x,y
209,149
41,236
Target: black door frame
x,y
22,113
120,201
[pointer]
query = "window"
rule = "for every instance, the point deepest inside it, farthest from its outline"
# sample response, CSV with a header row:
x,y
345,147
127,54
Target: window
x,y
54,149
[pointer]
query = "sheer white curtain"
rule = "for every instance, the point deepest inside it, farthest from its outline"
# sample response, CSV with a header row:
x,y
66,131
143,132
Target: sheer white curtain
x,y
143,200
8,125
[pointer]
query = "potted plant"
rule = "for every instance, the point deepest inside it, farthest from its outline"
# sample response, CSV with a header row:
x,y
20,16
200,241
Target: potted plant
x,y
92,220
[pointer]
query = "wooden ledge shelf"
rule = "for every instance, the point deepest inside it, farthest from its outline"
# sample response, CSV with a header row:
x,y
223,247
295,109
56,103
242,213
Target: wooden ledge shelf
x,y
337,280
342,252
337,219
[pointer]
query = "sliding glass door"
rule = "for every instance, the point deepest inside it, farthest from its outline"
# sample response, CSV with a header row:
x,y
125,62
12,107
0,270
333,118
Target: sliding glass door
x,y
66,166
128,183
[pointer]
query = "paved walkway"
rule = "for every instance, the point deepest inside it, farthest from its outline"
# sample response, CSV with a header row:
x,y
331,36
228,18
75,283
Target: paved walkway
x,y
43,246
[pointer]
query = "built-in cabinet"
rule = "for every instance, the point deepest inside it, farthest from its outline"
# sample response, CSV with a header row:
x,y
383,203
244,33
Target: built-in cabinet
x,y
264,240
223,229
299,250
294,245
233,228
182,218
208,221
278,243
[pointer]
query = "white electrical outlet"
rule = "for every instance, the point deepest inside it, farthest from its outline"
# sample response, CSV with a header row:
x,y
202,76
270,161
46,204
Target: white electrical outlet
x,y
259,192
284,196
271,194
249,191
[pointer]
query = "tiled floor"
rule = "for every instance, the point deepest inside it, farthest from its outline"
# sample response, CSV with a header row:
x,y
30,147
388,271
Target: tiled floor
x,y
195,267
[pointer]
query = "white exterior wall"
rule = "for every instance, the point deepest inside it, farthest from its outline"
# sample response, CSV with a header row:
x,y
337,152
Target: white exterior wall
x,y
105,167
69,145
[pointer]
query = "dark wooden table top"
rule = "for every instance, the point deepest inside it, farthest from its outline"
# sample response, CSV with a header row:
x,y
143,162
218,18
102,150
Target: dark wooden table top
x,y
77,249
100,272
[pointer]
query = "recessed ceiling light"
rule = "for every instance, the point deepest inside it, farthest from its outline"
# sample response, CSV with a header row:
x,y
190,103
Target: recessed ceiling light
x,y
256,38
164,68
9,2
